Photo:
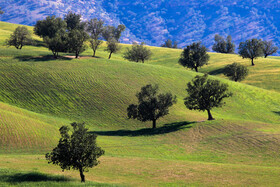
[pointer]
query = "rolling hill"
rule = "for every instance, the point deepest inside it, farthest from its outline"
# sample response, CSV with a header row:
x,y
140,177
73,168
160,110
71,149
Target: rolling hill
x,y
38,94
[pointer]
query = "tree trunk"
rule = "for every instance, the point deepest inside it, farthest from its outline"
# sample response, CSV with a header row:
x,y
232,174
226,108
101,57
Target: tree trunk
x,y
252,62
110,55
196,69
143,61
154,124
93,53
82,175
210,117
265,55
77,55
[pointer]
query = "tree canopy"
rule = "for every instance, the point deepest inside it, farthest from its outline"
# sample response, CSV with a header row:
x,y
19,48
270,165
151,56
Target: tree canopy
x,y
112,47
138,53
236,72
95,28
205,94
20,37
76,150
223,46
269,48
194,56
169,44
151,105
110,32
252,49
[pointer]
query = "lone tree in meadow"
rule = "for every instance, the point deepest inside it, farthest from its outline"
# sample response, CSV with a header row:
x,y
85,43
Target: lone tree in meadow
x,y
205,94
194,56
252,49
236,72
112,47
223,46
269,48
110,32
138,53
95,28
151,105
53,31
77,150
20,37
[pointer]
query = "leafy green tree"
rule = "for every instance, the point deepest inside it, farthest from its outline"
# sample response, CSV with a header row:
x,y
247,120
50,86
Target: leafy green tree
x,y
73,21
77,150
230,46
20,37
138,53
76,41
49,26
95,28
151,106
194,56
205,94
110,32
269,48
53,31
169,44
112,47
252,49
1,11
222,46
236,72
57,44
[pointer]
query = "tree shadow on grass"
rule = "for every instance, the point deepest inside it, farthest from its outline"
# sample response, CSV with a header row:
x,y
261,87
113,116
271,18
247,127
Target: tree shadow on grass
x,y
217,71
277,112
32,177
167,128
40,58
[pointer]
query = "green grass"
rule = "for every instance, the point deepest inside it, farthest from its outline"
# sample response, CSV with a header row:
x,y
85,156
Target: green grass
x,y
39,94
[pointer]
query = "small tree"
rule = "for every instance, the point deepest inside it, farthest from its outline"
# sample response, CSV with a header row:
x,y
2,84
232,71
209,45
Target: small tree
x,y
20,37
111,32
251,49
168,44
95,28
1,11
269,48
56,44
112,47
194,56
138,53
205,94
151,106
230,46
236,72
76,41
222,46
77,151
53,32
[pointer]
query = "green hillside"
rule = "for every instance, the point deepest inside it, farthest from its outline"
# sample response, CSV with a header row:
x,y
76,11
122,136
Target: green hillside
x,y
39,94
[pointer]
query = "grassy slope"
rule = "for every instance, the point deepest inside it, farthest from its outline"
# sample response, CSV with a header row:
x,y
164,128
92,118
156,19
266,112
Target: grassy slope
x,y
98,91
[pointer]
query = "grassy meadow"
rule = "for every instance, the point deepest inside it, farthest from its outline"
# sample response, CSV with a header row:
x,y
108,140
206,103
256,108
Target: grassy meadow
x,y
38,94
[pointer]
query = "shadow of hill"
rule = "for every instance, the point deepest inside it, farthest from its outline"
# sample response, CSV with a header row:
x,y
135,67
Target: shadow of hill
x,y
217,71
31,177
41,58
167,128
